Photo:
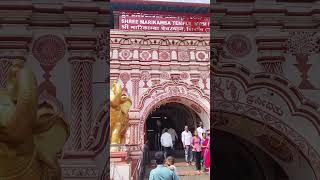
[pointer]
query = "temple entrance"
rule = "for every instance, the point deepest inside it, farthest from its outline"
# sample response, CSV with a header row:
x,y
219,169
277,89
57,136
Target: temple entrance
x,y
171,115
245,148
236,158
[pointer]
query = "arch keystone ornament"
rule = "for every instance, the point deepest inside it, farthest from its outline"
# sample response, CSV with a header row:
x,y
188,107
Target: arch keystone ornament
x,y
272,101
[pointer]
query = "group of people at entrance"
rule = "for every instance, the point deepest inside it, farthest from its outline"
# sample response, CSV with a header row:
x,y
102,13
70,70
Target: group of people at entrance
x,y
196,147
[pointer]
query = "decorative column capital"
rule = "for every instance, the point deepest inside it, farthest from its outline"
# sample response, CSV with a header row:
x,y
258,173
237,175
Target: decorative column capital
x,y
135,76
271,64
12,58
82,59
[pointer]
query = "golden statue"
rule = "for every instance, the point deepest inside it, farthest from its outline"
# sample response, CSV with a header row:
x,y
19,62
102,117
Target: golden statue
x,y
30,137
119,116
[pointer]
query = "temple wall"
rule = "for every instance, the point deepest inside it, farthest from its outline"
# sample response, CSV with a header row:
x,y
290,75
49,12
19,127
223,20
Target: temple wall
x,y
267,64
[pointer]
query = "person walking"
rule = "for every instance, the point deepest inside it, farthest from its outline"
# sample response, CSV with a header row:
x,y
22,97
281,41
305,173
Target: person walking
x,y
186,137
207,154
196,149
204,144
174,137
169,163
166,142
201,130
161,172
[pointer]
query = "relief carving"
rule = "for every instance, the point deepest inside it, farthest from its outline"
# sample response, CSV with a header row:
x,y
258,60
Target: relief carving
x,y
254,100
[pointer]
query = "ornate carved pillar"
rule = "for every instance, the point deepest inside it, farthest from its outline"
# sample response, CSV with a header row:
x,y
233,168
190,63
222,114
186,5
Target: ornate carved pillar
x,y
133,132
135,78
15,48
81,102
5,64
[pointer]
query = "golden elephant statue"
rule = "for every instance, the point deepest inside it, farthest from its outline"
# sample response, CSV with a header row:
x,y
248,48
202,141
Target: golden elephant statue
x,y
119,116
30,137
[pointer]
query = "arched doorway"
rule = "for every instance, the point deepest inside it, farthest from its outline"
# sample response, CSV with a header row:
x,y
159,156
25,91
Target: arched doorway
x,y
171,115
263,110
272,154
200,110
236,158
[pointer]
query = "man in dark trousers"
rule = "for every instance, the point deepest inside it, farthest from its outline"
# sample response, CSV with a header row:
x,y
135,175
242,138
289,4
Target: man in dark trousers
x,y
166,142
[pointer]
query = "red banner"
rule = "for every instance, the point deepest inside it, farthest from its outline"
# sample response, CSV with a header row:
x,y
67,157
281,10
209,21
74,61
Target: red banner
x,y
138,21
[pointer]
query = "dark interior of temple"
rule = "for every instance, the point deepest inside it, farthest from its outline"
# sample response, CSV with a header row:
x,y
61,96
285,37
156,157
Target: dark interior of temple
x,y
237,159
171,115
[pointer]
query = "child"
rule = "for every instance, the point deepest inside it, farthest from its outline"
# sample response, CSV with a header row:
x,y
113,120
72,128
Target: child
x,y
170,163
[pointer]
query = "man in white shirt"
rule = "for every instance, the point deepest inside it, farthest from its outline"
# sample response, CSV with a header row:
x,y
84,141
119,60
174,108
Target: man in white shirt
x,y
186,138
166,142
174,137
201,130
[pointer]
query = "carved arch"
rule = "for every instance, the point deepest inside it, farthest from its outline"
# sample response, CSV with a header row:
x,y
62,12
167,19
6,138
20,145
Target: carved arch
x,y
296,102
199,93
275,124
181,98
297,105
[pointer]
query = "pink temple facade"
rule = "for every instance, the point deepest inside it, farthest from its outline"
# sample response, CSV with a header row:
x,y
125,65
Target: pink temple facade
x,y
265,88
155,70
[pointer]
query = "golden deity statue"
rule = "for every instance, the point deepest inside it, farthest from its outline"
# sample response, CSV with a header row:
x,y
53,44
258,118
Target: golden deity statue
x,y
119,116
30,135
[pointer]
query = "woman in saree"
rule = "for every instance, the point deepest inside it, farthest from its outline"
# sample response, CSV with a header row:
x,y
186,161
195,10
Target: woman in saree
x,y
207,154
204,144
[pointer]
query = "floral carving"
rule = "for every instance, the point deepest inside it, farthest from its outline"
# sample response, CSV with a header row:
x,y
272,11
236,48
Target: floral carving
x,y
49,49
102,46
145,76
165,75
184,76
125,77
145,56
302,43
238,45
183,56
125,54
164,56
278,148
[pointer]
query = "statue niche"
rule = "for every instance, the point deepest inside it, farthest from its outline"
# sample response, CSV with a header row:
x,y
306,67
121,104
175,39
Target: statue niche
x,y
31,136
119,116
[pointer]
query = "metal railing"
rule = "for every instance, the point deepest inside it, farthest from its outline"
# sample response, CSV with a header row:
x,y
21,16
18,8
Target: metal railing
x,y
140,168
